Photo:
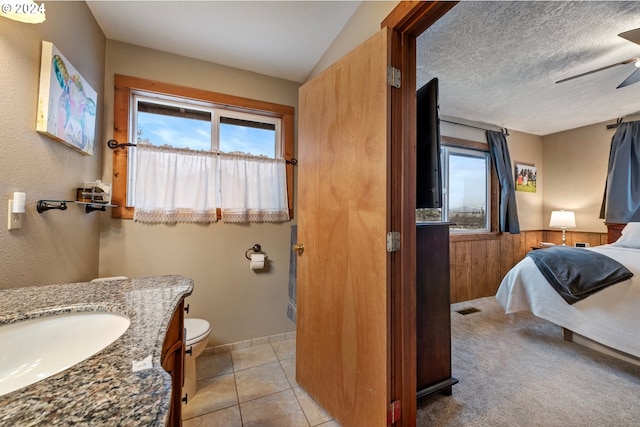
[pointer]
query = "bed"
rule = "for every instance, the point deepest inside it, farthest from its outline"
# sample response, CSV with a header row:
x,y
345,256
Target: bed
x,y
610,316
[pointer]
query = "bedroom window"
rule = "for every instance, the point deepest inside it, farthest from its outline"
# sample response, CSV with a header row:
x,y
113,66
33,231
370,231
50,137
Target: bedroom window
x,y
468,185
228,132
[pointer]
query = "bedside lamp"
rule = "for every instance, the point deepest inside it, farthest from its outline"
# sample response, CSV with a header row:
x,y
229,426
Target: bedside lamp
x,y
563,219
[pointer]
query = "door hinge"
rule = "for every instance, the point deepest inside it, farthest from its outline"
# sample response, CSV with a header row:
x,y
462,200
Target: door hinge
x,y
393,241
394,412
393,76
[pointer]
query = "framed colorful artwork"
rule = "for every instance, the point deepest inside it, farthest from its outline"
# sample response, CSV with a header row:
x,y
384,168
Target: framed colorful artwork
x,y
526,177
66,102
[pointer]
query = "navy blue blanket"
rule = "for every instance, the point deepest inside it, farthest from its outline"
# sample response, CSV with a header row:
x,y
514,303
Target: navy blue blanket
x,y
576,273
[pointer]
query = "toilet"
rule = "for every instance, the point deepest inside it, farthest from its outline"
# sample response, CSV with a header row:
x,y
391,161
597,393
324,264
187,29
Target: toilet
x,y
197,336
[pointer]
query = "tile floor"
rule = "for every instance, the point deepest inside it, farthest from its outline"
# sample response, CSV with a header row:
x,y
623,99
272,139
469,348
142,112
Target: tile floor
x,y
253,386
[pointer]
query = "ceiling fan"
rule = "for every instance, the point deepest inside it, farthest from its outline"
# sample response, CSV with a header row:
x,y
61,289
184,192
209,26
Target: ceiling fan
x,y
632,36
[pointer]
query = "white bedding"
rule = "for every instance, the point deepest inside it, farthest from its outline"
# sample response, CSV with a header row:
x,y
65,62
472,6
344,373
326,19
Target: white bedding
x,y
610,316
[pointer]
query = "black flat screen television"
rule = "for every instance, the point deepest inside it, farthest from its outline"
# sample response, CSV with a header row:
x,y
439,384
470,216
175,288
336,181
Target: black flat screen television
x,y
429,180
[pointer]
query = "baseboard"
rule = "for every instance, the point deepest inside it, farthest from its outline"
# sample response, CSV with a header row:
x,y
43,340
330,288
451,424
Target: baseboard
x,y
226,348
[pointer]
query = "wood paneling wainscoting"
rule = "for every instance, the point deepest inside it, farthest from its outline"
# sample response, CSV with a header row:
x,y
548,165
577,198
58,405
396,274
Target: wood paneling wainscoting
x,y
479,262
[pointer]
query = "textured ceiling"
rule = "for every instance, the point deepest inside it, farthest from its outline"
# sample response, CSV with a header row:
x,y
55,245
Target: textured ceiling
x,y
497,63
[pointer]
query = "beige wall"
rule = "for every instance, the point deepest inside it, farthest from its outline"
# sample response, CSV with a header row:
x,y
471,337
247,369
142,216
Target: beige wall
x,y
239,303
575,172
526,148
55,246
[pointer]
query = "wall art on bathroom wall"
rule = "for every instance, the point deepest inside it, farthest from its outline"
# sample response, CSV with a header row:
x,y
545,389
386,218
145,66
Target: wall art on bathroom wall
x,y
66,102
526,177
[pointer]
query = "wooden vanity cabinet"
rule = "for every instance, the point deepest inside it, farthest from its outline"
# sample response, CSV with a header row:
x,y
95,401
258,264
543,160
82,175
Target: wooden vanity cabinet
x,y
433,309
173,363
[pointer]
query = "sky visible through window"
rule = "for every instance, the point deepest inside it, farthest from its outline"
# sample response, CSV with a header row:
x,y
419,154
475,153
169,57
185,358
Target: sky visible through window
x,y
178,132
183,132
467,182
247,140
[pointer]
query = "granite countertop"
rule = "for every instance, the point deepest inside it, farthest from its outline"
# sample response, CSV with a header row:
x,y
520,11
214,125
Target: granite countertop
x,y
102,390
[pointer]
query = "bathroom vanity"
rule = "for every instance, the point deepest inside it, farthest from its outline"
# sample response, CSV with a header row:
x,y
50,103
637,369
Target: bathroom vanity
x,y
133,381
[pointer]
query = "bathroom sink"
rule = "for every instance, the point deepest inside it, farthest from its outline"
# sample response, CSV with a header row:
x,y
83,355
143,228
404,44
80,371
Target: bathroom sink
x,y
32,350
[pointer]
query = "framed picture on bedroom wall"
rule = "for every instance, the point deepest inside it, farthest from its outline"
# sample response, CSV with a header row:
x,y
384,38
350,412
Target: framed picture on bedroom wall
x,y
526,177
66,102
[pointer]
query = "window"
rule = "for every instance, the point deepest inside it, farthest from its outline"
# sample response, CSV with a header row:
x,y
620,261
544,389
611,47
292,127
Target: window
x,y
465,182
467,188
177,122
180,123
249,136
162,114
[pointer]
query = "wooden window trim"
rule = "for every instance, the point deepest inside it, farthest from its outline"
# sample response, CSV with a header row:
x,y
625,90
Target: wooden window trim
x,y
122,95
495,190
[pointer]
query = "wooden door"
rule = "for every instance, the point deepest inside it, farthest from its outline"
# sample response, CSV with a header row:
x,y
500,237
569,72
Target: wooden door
x,y
343,324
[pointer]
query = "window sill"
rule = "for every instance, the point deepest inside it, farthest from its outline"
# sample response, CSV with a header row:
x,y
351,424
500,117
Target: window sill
x,y
464,237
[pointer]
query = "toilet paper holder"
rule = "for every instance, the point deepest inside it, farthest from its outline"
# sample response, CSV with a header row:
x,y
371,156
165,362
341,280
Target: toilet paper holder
x,y
256,249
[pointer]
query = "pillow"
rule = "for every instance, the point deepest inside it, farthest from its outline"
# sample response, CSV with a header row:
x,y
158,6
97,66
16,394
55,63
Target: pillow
x,y
630,237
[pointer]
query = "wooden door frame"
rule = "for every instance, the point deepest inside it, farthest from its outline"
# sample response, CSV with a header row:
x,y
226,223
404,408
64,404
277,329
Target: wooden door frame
x,y
407,21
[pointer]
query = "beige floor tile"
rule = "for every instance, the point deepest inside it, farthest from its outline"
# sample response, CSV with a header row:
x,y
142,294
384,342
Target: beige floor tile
x,y
289,368
250,357
213,394
241,344
213,365
285,349
228,417
260,381
276,410
315,414
260,341
225,348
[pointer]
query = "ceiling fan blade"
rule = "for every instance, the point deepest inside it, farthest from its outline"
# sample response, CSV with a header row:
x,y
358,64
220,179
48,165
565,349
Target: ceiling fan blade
x,y
633,78
626,61
631,35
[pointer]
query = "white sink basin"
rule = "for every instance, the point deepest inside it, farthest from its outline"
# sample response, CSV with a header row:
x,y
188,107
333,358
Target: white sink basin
x,y
32,350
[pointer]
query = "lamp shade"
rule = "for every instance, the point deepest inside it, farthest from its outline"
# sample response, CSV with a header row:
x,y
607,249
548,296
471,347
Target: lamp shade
x,y
562,219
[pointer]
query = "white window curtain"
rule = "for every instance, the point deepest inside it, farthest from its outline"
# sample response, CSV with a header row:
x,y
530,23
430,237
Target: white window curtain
x,y
175,185
253,189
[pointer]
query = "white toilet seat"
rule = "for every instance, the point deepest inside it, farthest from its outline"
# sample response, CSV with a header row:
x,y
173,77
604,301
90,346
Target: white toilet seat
x,y
196,330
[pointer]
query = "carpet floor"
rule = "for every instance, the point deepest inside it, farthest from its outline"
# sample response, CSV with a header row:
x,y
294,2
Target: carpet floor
x,y
522,373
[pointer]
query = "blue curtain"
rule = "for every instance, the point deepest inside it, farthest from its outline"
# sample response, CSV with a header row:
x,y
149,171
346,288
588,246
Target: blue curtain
x,y
502,162
622,191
